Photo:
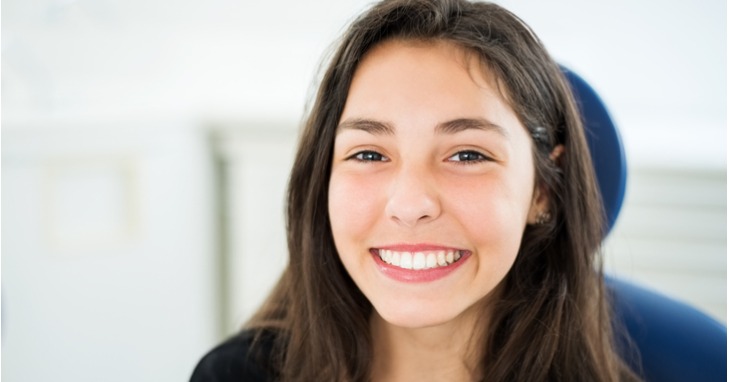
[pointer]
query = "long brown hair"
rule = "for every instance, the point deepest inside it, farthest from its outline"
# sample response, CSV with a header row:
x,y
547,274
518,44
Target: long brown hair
x,y
552,320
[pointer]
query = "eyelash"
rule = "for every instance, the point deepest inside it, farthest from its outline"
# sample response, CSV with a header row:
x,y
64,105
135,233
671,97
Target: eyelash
x,y
367,156
361,156
465,162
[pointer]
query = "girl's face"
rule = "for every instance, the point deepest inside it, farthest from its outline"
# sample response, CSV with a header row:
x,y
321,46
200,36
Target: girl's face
x,y
432,183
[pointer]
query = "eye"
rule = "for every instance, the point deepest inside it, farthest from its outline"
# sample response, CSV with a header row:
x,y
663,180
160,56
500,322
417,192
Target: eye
x,y
368,156
468,156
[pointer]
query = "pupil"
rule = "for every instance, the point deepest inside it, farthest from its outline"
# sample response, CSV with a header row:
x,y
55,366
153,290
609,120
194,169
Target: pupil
x,y
371,156
468,156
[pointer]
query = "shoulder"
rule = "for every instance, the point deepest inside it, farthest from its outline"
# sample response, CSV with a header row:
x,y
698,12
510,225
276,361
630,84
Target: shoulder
x,y
246,356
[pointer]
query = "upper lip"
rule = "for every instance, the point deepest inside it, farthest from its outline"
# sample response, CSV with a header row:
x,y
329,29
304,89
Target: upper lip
x,y
420,247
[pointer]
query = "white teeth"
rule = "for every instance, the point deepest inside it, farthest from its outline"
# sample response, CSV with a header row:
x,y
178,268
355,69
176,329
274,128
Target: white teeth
x,y
419,260
441,259
431,262
406,260
395,259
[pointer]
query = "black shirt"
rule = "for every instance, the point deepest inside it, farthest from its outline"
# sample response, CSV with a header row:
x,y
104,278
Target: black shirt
x,y
240,358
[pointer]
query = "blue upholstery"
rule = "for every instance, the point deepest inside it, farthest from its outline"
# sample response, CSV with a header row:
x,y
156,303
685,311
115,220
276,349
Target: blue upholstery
x,y
606,146
674,341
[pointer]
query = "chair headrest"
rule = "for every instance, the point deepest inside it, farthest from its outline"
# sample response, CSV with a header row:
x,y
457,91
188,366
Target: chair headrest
x,y
606,146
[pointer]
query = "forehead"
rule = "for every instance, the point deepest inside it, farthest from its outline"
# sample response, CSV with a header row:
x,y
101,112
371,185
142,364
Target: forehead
x,y
424,58
432,81
466,59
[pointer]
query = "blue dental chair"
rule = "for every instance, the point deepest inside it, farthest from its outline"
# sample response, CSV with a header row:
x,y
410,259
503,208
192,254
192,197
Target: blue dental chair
x,y
674,341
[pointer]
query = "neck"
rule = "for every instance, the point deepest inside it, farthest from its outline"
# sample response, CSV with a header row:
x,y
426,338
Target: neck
x,y
446,352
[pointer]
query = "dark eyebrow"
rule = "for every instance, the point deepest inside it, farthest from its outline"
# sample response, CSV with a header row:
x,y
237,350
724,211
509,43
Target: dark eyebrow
x,y
449,127
368,125
462,124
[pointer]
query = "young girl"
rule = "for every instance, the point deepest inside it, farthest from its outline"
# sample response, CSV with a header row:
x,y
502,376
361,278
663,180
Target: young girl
x,y
443,217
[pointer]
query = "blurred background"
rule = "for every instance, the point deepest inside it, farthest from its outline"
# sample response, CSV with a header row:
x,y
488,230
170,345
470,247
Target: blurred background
x,y
146,146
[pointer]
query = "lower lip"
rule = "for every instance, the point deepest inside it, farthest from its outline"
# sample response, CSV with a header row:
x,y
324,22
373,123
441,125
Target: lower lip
x,y
420,275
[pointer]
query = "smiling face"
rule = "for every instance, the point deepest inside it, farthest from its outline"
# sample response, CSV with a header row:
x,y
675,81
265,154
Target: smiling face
x,y
432,183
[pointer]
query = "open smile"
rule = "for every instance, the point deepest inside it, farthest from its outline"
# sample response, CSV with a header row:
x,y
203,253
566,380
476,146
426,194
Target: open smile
x,y
418,263
420,259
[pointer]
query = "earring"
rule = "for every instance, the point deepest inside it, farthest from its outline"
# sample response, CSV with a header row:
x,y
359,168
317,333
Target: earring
x,y
543,217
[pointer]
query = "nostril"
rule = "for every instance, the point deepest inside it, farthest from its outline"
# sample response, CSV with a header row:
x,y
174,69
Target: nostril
x,y
410,211
413,197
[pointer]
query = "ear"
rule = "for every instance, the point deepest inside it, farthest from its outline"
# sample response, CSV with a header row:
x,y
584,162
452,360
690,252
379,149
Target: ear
x,y
540,205
539,210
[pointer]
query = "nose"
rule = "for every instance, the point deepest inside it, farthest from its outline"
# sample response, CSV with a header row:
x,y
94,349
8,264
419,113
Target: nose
x,y
413,198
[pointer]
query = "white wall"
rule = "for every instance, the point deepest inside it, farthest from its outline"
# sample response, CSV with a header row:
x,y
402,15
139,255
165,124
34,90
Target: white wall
x,y
107,251
661,66
96,90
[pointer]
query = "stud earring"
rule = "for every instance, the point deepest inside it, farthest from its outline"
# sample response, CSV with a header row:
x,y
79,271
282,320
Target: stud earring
x,y
543,217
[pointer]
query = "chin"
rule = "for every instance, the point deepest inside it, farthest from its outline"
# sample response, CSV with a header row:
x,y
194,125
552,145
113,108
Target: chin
x,y
415,316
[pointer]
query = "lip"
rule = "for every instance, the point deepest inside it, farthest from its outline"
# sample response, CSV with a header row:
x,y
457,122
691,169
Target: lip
x,y
420,275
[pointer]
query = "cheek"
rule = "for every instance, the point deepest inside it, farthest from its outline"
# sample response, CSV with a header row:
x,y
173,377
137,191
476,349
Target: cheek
x,y
353,206
493,211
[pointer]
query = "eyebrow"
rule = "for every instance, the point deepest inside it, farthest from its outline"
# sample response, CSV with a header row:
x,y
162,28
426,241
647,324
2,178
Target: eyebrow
x,y
368,125
449,127
462,124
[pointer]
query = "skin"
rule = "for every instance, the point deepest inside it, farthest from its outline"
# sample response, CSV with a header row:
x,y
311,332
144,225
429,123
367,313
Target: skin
x,y
401,176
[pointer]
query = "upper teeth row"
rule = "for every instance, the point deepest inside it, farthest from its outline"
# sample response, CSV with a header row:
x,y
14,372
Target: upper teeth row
x,y
419,260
